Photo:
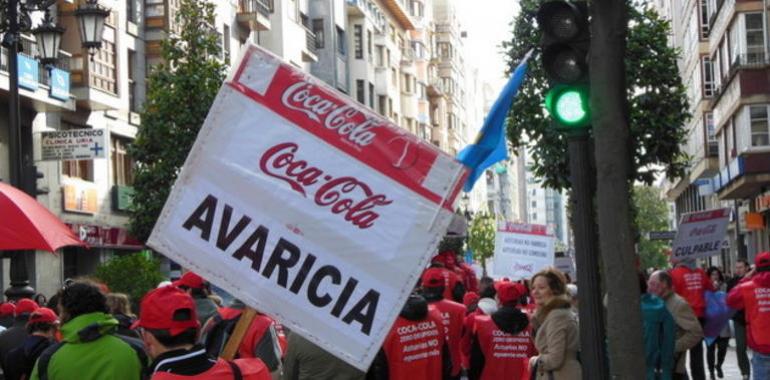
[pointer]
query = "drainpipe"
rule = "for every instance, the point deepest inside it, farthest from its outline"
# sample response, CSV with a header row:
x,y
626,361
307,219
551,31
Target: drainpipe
x,y
767,35
333,33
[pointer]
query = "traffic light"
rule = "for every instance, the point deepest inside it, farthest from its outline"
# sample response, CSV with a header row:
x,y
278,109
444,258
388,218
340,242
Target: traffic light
x,y
565,47
31,175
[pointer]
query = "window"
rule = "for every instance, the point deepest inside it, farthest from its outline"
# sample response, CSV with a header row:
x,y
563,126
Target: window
x,y
83,169
226,43
708,77
534,203
133,103
358,43
760,132
341,41
711,133
360,95
122,164
380,56
390,107
704,19
103,72
369,44
371,95
382,105
318,30
130,16
755,38
393,77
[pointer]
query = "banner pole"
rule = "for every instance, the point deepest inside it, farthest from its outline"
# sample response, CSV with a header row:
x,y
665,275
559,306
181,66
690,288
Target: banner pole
x,y
231,348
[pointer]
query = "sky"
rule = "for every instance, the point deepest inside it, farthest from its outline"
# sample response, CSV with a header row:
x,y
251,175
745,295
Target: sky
x,y
486,22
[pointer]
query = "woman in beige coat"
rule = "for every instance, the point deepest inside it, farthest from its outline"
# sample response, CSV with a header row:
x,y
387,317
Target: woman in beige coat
x,y
556,329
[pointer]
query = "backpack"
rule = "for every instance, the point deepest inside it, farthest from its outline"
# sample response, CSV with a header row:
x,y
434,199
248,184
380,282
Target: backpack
x,y
216,333
659,337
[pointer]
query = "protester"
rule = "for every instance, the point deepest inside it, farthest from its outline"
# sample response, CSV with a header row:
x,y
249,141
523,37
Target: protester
x,y
555,328
7,311
501,342
690,283
169,329
739,321
751,296
452,314
453,286
415,348
659,335
716,351
198,288
15,335
572,294
306,361
486,305
688,330
259,341
41,326
120,308
471,302
90,348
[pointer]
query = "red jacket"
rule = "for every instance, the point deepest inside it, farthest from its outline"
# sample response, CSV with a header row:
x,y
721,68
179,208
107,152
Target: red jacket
x,y
506,356
753,295
469,278
251,369
466,341
690,284
414,349
452,316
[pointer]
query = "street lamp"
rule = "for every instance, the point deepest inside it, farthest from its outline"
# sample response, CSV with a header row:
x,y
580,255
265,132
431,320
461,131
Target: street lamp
x,y
91,18
16,18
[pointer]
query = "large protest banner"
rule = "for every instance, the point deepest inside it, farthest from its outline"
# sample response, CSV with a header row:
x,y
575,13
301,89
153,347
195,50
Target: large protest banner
x,y
700,234
308,206
521,250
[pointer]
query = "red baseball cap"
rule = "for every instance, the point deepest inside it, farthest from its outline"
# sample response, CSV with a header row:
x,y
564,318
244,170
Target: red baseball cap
x,y
762,260
42,315
6,309
510,291
26,305
470,298
433,278
160,307
190,280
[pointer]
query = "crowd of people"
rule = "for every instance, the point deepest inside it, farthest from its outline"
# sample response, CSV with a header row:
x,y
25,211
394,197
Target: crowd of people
x,y
452,326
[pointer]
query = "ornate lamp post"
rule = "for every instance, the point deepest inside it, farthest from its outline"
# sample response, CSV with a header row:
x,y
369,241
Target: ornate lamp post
x,y
16,19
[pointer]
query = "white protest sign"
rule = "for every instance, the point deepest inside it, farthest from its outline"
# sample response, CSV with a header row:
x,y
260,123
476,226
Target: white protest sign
x,y
73,144
521,250
308,206
700,234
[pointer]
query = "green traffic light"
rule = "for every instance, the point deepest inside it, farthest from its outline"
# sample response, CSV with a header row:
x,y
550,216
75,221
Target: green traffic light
x,y
569,106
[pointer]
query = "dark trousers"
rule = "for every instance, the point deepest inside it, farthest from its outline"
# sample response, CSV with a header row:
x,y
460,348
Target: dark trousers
x,y
717,350
696,358
740,349
679,376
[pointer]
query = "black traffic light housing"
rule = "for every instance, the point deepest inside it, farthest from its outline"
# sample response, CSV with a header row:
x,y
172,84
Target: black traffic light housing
x,y
31,175
565,46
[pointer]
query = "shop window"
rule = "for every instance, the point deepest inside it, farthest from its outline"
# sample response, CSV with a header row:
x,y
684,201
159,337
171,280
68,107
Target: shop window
x,y
82,169
122,164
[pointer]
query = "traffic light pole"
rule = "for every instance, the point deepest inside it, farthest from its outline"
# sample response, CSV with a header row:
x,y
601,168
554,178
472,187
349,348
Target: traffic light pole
x,y
593,356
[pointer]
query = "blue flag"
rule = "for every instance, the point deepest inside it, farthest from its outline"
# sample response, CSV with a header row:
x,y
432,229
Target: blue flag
x,y
490,145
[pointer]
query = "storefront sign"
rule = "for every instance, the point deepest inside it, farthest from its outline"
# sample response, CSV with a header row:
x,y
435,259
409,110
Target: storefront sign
x,y
60,84
754,221
73,144
105,236
521,250
28,72
80,197
308,207
701,234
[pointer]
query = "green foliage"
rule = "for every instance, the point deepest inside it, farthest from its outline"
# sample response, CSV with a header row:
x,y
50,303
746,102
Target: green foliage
x,y
651,214
481,238
656,98
180,92
133,274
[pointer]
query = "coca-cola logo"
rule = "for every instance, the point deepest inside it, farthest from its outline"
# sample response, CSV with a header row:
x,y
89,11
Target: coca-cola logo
x,y
348,122
347,196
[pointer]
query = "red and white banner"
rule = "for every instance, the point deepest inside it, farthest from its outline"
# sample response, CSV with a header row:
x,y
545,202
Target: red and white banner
x,y
308,206
700,234
521,250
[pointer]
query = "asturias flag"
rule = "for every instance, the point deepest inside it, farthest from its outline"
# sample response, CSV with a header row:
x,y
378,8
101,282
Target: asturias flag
x,y
490,145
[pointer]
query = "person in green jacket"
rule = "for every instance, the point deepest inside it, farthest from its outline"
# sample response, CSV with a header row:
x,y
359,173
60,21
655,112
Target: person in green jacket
x,y
659,337
89,350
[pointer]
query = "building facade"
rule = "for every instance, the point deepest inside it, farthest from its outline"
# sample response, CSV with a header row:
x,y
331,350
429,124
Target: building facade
x,y
724,66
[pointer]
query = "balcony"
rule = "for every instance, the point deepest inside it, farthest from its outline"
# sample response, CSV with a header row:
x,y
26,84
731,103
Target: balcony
x,y
746,176
435,87
254,15
399,11
407,56
309,52
47,91
368,9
